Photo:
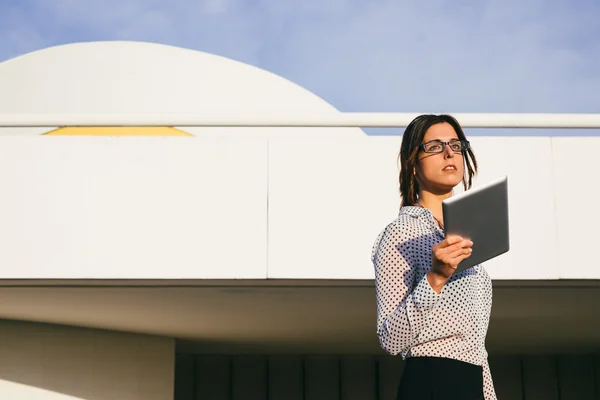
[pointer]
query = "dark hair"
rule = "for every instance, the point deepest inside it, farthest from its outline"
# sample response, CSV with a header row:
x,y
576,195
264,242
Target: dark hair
x,y
411,140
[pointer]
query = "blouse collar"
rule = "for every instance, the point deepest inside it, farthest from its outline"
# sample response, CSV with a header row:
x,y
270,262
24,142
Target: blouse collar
x,y
423,214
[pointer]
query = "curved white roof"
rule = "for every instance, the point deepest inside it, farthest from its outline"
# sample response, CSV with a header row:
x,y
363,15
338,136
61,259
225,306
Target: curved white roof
x,y
138,78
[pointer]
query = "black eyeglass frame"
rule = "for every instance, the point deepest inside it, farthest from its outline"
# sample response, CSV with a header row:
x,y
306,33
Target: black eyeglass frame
x,y
464,143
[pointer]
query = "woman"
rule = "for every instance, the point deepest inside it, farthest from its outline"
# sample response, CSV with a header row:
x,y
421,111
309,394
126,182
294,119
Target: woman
x,y
436,320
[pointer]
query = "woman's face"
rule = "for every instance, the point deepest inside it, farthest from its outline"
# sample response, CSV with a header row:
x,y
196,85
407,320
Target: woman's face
x,y
439,173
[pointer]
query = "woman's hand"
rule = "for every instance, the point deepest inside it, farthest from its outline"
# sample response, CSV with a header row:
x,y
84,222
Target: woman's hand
x,y
445,257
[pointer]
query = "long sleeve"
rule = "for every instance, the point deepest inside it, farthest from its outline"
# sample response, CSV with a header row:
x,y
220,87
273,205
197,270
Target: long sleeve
x,y
488,383
402,304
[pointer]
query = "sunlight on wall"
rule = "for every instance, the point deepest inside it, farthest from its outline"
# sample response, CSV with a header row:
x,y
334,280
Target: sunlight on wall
x,y
18,391
118,131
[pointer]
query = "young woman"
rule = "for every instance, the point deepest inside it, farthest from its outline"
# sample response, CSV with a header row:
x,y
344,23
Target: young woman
x,y
435,319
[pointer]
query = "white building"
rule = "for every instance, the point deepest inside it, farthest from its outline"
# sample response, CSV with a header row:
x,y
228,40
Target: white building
x,y
233,263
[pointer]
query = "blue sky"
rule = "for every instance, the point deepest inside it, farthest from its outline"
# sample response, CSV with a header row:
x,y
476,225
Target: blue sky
x,y
391,55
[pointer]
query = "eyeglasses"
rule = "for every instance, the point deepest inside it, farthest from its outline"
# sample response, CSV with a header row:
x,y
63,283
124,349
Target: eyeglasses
x,y
437,146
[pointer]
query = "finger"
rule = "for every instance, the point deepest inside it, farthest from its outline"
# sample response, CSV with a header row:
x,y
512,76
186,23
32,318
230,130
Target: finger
x,y
454,264
456,244
464,244
462,258
452,257
452,239
447,252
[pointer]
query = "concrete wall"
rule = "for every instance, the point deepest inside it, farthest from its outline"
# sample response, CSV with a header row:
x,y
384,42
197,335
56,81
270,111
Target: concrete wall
x,y
48,362
185,208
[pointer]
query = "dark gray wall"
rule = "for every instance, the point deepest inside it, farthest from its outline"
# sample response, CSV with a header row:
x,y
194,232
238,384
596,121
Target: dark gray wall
x,y
543,377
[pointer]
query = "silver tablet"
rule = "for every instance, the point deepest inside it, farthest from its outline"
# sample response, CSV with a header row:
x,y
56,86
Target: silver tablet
x,y
480,215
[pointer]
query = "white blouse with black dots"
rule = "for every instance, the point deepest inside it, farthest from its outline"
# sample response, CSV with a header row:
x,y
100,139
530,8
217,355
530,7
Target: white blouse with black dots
x,y
412,319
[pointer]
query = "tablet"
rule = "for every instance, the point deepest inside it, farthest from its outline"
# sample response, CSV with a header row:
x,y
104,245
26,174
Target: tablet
x,y
480,215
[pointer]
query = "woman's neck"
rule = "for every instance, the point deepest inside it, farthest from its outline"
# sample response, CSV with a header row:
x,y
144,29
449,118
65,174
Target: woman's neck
x,y
433,202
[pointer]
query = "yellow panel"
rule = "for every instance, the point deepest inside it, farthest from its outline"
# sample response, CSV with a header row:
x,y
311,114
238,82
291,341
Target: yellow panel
x,y
118,131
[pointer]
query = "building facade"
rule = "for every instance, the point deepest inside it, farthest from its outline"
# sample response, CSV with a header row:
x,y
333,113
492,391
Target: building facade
x,y
234,263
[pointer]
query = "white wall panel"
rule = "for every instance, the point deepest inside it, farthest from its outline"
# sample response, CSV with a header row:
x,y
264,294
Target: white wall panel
x,y
202,208
328,200
527,161
132,207
577,201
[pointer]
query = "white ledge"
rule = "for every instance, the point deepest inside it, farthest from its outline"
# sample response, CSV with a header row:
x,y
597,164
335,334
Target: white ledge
x,y
467,120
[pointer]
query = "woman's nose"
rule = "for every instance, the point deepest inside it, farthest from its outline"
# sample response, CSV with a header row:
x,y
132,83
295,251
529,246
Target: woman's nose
x,y
449,152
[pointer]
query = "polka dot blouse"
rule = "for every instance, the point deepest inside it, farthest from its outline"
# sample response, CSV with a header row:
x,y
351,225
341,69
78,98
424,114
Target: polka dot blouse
x,y
412,319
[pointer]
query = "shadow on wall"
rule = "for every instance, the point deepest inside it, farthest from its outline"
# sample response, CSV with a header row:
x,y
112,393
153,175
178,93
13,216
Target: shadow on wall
x,y
49,362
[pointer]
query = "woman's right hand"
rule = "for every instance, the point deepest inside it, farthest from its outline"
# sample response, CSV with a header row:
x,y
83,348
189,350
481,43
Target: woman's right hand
x,y
445,257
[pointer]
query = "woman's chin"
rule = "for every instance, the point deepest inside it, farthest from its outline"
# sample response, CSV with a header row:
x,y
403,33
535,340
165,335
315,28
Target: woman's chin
x,y
451,180
446,186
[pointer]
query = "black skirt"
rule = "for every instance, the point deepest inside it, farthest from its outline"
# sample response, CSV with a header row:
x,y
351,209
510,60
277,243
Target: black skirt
x,y
435,378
